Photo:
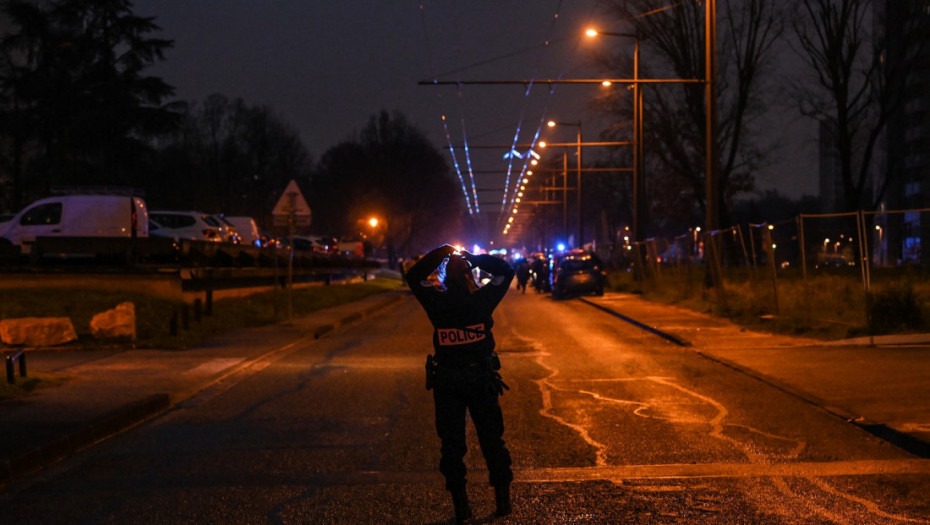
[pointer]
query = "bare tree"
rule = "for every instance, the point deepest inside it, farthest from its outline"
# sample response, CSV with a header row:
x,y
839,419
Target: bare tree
x,y
861,53
672,39
389,170
228,156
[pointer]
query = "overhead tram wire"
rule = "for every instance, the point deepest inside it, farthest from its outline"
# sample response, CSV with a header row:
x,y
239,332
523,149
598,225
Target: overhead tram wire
x,y
543,118
458,72
471,173
445,126
455,163
507,195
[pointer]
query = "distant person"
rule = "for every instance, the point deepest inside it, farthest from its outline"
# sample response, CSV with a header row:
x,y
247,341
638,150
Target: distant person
x,y
463,373
523,274
541,274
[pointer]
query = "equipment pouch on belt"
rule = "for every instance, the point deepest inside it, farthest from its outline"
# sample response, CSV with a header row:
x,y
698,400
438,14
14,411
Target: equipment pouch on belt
x,y
497,382
495,361
430,371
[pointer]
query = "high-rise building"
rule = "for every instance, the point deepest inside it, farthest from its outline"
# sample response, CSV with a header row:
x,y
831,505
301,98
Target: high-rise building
x,y
904,153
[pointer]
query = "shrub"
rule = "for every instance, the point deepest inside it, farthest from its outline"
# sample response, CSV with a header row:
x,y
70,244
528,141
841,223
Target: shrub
x,y
894,309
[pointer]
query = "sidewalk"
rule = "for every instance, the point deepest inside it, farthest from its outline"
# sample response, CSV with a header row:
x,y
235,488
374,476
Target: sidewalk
x,y
885,388
109,391
881,384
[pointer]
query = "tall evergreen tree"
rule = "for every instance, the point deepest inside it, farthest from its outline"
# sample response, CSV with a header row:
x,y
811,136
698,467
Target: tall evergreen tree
x,y
74,90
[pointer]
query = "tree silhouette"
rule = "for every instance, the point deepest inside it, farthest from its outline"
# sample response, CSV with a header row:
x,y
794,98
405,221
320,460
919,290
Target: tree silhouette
x,y
861,58
390,171
77,106
672,38
227,157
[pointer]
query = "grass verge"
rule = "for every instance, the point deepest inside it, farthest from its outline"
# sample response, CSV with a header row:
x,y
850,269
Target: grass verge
x,y
154,316
827,306
26,385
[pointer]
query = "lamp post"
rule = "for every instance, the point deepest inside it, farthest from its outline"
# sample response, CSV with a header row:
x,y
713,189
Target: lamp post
x,y
712,216
710,94
552,124
639,187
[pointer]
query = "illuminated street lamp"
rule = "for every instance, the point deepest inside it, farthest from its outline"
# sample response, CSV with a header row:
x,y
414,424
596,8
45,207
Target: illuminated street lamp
x,y
639,187
710,100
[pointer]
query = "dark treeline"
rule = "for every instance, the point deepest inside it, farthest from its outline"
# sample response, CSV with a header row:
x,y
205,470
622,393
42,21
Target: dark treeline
x,y
78,109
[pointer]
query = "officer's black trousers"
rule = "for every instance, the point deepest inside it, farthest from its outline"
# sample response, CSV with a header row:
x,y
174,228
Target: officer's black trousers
x,y
471,388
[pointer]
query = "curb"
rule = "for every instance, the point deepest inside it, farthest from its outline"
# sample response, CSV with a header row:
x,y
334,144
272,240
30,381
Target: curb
x,y
669,337
107,426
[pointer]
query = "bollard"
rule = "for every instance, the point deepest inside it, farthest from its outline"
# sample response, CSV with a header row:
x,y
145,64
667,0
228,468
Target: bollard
x,y
198,310
209,307
10,359
173,324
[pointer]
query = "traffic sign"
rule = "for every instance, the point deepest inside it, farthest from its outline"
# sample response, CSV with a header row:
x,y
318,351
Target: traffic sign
x,y
292,207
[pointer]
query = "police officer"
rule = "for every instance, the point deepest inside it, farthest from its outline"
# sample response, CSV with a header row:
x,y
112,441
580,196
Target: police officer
x,y
463,374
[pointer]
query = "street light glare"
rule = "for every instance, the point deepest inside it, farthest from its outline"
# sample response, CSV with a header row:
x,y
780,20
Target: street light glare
x,y
373,222
591,32
551,123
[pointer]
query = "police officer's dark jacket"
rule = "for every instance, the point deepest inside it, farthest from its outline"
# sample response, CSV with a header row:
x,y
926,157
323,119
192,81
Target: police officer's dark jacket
x,y
461,322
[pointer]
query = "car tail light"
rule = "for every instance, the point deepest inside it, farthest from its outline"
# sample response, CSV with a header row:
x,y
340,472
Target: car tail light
x,y
209,234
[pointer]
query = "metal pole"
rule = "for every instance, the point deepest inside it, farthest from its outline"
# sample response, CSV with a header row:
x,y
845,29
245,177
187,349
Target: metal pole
x,y
564,197
292,199
580,216
639,189
710,92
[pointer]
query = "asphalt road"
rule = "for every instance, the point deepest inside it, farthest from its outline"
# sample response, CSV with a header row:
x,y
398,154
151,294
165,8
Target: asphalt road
x,y
607,423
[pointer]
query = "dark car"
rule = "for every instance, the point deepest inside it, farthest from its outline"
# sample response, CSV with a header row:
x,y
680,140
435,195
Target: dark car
x,y
576,273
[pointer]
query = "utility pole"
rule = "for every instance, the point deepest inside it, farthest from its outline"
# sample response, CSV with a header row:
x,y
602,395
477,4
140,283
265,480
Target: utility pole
x,y
710,103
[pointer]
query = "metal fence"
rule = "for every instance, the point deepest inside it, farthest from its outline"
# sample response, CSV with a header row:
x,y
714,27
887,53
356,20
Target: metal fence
x,y
778,269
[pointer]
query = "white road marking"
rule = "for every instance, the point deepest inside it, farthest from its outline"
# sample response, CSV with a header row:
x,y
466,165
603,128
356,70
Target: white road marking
x,y
214,365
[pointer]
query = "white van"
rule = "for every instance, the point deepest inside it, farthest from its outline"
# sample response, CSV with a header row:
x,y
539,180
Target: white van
x,y
77,216
247,229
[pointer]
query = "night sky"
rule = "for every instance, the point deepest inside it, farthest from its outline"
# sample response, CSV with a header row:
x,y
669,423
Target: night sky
x,y
325,67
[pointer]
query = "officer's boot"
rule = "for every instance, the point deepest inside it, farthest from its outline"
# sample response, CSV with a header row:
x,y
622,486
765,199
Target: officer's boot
x,y
460,503
502,498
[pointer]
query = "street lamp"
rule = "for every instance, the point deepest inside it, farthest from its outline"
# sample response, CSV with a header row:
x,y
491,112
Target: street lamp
x,y
710,101
552,124
639,187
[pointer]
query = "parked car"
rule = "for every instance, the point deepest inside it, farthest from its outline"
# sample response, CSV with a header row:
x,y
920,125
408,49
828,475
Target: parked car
x,y
6,216
577,272
194,225
78,215
228,231
351,248
247,229
312,243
